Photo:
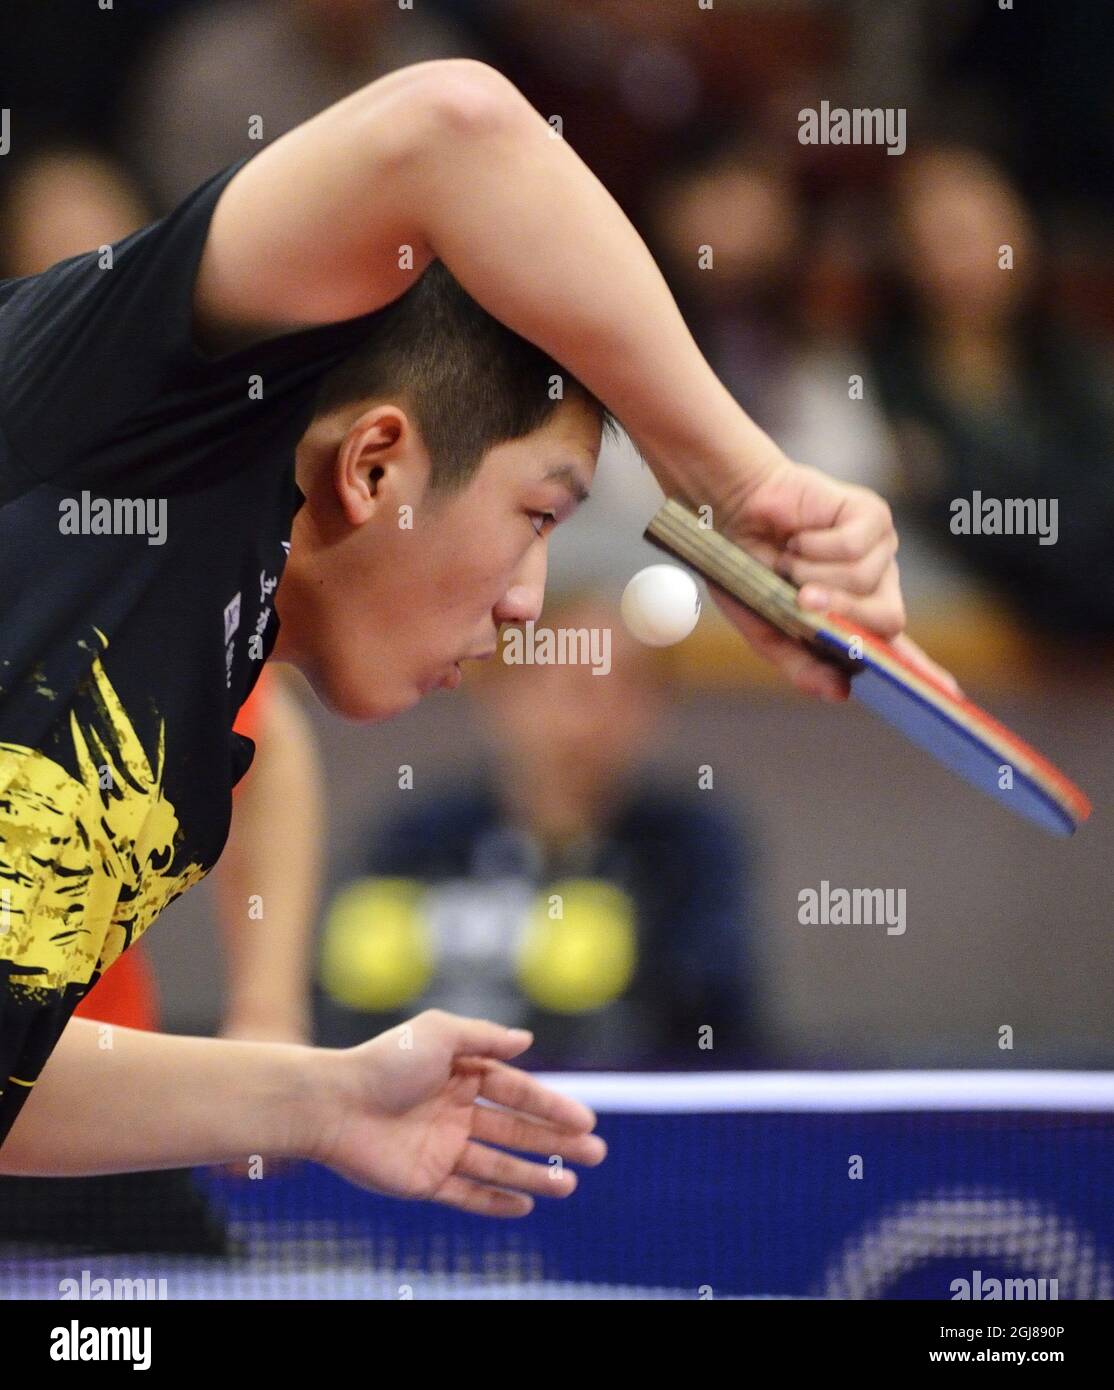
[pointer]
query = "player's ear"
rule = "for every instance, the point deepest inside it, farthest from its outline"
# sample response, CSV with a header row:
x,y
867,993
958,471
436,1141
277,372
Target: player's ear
x,y
374,443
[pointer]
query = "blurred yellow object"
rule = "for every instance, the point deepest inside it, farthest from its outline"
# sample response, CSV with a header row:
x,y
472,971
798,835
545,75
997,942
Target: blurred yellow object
x,y
582,959
376,953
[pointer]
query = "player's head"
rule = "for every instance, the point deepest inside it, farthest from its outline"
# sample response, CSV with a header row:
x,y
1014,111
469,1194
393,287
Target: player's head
x,y
956,208
440,457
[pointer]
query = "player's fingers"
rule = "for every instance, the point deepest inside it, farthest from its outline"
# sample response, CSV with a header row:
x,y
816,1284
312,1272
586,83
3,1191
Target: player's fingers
x,y
860,576
517,1090
482,1200
884,614
499,1169
806,672
855,534
881,612
907,648
511,1131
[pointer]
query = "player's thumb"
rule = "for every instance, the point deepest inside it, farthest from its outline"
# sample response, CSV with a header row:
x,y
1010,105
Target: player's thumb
x,y
480,1038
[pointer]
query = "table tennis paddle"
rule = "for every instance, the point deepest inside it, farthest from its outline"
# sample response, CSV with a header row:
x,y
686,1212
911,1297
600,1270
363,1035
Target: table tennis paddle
x,y
954,731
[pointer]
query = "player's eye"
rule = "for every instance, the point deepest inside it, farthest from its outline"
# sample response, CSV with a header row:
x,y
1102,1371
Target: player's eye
x,y
542,522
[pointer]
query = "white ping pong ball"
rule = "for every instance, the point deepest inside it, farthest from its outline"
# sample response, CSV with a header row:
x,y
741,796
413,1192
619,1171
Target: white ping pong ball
x,y
660,605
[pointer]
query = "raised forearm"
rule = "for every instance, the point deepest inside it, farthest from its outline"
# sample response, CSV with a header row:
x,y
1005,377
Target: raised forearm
x,y
536,239
114,1100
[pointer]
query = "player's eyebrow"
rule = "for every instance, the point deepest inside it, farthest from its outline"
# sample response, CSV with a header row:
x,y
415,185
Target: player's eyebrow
x,y
571,477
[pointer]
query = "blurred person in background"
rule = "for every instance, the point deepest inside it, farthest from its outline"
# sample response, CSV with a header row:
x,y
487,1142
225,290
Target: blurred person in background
x,y
730,230
570,892
990,392
61,201
220,66
637,84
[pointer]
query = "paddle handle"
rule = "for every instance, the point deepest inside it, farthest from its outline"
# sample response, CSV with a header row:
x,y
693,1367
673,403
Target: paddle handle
x,y
681,534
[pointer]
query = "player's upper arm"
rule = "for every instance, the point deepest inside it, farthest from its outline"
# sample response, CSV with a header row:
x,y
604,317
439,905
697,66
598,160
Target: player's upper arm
x,y
317,227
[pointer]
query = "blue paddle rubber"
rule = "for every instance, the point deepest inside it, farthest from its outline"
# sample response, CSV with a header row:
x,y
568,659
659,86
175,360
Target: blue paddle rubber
x,y
957,748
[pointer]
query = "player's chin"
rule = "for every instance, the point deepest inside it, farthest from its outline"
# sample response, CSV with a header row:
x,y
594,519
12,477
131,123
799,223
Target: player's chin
x,y
368,702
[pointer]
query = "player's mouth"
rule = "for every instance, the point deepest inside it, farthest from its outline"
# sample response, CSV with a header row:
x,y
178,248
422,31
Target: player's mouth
x,y
455,673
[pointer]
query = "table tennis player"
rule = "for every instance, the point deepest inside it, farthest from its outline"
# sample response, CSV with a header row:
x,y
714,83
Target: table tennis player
x,y
373,363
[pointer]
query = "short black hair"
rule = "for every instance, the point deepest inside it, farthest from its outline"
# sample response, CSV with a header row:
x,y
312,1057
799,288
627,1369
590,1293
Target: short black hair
x,y
470,382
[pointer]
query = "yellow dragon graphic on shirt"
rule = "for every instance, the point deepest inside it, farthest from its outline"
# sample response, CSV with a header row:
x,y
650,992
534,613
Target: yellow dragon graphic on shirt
x,y
85,862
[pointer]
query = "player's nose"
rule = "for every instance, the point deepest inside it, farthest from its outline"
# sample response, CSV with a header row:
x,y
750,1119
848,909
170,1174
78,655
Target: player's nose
x,y
525,594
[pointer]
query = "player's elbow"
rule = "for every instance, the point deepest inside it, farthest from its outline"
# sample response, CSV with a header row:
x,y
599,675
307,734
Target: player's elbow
x,y
466,98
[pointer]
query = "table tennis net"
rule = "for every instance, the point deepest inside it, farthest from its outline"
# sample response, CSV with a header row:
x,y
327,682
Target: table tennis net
x,y
837,1185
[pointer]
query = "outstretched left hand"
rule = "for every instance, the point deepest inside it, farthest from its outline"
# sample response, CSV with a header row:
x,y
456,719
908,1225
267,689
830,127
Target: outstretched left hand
x,y
407,1116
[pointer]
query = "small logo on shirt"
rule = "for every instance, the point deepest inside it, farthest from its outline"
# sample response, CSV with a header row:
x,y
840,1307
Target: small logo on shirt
x,y
231,627
232,619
